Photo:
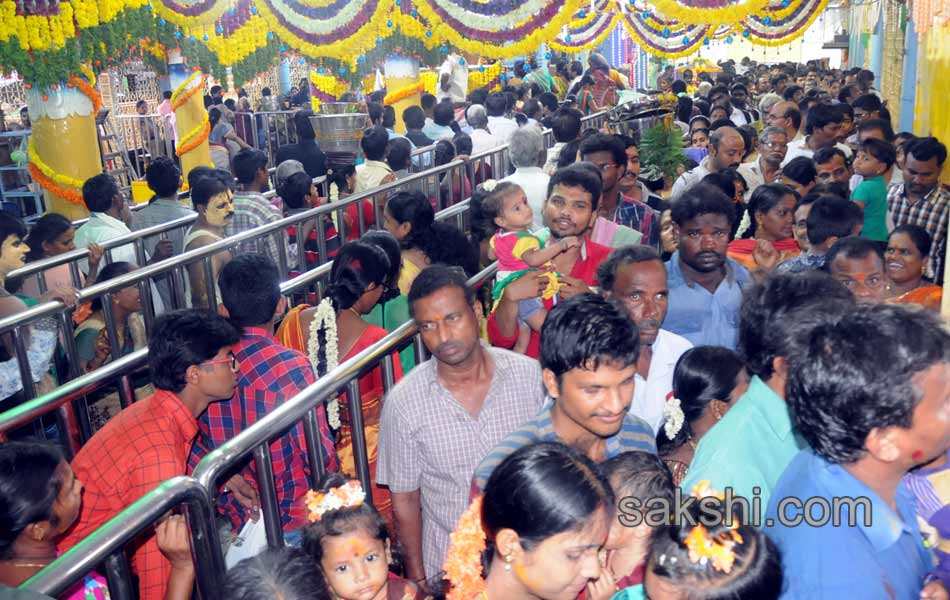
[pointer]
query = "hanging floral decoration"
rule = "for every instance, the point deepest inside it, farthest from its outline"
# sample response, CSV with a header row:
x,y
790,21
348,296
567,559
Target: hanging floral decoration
x,y
662,37
191,13
402,93
778,27
705,12
485,76
927,14
326,88
588,30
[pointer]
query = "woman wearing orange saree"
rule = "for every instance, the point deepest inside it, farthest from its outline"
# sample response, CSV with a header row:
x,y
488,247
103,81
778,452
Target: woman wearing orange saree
x,y
772,209
334,331
905,261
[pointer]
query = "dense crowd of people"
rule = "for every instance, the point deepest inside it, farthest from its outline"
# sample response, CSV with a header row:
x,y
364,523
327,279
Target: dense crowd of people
x,y
732,384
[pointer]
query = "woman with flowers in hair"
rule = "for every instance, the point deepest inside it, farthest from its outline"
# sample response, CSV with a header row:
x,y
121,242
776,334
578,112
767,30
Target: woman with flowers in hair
x,y
693,559
537,530
707,380
334,331
350,542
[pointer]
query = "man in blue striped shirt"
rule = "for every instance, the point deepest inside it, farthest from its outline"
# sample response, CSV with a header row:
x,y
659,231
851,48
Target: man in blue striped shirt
x,y
589,353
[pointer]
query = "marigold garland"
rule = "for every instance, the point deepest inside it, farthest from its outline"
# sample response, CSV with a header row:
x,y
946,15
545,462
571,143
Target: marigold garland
x,y
90,92
185,89
69,195
182,99
403,93
726,15
194,138
463,568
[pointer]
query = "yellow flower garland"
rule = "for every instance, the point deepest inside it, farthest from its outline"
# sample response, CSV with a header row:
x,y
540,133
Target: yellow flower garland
x,y
795,35
193,138
403,93
709,16
184,88
594,43
50,180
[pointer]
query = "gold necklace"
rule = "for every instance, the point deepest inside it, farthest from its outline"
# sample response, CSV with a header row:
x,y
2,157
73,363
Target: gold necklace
x,y
355,312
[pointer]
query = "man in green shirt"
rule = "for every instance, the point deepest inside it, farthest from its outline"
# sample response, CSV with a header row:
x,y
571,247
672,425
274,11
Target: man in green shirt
x,y
753,443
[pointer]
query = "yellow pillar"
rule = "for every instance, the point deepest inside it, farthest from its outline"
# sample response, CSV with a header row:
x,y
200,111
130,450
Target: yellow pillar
x,y
191,122
64,119
403,87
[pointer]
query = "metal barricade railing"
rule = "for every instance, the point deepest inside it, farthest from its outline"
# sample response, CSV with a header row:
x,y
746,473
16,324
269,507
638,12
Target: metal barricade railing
x,y
106,546
146,137
300,409
271,130
67,402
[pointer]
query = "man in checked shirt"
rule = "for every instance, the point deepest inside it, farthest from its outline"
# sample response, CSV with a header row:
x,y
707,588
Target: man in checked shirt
x,y
268,375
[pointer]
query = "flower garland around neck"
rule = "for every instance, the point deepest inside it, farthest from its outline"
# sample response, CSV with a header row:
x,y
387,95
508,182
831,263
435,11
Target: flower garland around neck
x,y
463,568
325,317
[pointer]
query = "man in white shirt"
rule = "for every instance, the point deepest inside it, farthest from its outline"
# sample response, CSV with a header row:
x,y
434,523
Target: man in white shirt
x,y
822,125
482,139
453,79
726,149
108,219
786,115
773,144
497,104
634,277
526,152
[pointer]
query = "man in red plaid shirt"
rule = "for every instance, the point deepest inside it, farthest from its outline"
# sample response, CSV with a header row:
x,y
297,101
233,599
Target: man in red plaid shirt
x,y
269,374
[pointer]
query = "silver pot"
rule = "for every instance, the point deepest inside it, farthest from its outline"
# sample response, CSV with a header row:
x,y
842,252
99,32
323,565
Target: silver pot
x,y
340,132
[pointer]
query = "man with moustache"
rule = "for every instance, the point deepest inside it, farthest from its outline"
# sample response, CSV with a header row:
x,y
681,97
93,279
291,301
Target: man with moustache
x,y
634,278
442,419
570,210
773,143
726,149
589,352
212,197
705,284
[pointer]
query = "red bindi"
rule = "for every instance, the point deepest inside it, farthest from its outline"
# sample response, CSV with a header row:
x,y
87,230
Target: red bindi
x,y
917,455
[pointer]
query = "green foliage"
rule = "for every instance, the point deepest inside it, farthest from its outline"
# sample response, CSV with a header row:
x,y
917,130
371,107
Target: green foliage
x,y
661,151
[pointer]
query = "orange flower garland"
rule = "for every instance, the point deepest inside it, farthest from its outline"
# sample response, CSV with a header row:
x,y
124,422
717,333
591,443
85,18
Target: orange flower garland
x,y
69,195
403,93
90,92
194,138
180,99
464,566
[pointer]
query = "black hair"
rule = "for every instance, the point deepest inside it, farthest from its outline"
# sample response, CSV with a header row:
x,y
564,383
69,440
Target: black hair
x,y
183,338
230,103
414,117
375,111
678,87
163,177
440,242
641,475
575,176
266,91
701,199
303,125
756,573
541,490
880,150
427,101
214,115
602,142
399,153
772,310
167,95
215,89
463,143
207,188
199,172
789,92
795,116
764,198
548,101
98,192
684,105
883,124
478,96
493,203
247,162
496,104
702,118
341,521
444,152
834,188
389,117
531,108
357,266
568,154
726,182
856,374
832,216
702,374
294,190
140,103
853,247
846,92
434,278
801,170
926,148
28,488
339,175
443,114
820,116
625,255
845,109
46,229
110,271
250,289
826,155
918,235
868,102
285,573
390,245
374,143
585,332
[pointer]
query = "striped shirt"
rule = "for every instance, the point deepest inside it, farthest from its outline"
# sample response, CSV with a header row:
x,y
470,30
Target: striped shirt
x,y
634,434
252,210
930,212
431,443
